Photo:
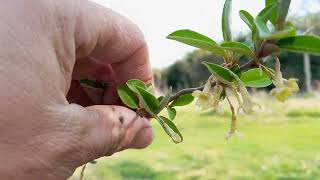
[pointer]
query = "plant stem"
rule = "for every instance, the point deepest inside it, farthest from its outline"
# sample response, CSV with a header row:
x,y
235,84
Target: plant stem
x,y
191,90
82,172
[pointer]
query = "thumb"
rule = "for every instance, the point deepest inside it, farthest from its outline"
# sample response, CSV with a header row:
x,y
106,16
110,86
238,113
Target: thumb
x,y
105,130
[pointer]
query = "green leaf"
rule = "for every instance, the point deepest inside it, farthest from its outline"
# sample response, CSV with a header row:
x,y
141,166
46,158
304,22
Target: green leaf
x,y
238,48
302,44
183,100
288,31
264,32
150,87
94,83
262,27
196,40
160,98
226,20
128,97
147,101
172,113
256,78
223,74
261,21
266,13
283,9
249,43
236,69
170,128
133,83
247,18
165,100
274,13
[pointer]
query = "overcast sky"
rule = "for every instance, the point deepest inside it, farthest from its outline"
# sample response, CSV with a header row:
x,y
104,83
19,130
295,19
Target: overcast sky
x,y
158,18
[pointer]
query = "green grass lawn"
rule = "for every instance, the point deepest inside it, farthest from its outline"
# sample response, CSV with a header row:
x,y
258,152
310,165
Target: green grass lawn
x,y
281,142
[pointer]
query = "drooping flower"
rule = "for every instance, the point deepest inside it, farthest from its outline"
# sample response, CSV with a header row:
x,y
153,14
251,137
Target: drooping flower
x,y
245,102
209,97
292,84
284,88
217,90
205,97
248,106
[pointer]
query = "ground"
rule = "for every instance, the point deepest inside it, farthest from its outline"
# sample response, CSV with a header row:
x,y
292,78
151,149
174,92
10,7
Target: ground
x,y
280,142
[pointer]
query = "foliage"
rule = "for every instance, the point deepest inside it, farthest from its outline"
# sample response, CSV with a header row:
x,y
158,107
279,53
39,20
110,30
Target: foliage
x,y
230,79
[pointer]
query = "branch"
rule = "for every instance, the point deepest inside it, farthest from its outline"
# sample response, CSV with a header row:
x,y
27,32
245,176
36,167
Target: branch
x,y
191,90
185,91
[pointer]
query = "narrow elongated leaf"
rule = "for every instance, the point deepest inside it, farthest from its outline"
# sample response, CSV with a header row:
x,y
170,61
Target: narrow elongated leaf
x,y
226,20
256,78
128,97
133,83
283,9
147,101
266,13
196,40
170,128
288,31
262,28
303,44
274,13
222,74
247,18
165,100
172,113
264,32
238,48
183,100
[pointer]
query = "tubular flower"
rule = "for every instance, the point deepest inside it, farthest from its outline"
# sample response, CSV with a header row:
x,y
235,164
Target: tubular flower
x,y
292,84
205,98
209,97
217,90
247,104
284,88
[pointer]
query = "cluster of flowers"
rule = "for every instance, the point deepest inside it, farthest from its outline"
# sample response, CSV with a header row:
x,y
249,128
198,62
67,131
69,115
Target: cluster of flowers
x,y
212,94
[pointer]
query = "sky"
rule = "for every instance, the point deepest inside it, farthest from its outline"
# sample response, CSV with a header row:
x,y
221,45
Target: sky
x,y
159,18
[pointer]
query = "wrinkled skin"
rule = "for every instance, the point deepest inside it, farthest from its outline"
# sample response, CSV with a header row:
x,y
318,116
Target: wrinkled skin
x,y
50,125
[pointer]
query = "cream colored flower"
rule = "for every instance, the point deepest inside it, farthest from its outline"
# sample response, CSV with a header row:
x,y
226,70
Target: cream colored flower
x,y
245,102
247,105
292,84
209,97
204,99
284,88
281,94
217,90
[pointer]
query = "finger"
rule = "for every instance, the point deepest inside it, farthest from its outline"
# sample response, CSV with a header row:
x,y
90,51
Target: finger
x,y
104,37
105,130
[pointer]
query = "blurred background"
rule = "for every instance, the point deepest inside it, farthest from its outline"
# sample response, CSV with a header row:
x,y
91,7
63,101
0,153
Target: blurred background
x,y
279,142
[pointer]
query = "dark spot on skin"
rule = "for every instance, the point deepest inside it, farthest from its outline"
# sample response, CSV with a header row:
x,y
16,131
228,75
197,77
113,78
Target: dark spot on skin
x,y
121,119
113,109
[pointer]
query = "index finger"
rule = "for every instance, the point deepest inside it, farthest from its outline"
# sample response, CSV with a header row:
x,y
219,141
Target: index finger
x,y
108,38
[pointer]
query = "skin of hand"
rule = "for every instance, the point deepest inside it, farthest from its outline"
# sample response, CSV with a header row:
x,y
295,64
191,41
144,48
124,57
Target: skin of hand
x,y
46,47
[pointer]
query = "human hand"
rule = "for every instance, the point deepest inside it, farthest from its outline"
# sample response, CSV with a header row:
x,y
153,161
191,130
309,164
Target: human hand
x,y
46,47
